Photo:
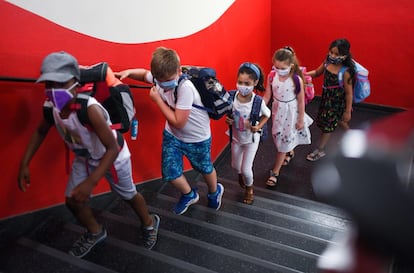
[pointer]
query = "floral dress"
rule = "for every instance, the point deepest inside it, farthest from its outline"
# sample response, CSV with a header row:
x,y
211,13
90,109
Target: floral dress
x,y
285,116
332,104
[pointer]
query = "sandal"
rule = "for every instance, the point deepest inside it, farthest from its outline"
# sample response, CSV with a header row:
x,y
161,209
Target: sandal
x,y
272,180
289,156
315,155
241,181
248,195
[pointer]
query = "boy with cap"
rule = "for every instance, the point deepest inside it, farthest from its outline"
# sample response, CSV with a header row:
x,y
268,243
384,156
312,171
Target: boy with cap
x,y
99,152
187,128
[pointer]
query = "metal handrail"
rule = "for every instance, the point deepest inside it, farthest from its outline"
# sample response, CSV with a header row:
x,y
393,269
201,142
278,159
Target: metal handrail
x,y
19,79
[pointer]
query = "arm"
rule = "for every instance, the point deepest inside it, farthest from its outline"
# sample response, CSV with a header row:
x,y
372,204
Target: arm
x,y
177,118
97,121
139,74
348,97
265,115
268,92
301,106
317,72
35,141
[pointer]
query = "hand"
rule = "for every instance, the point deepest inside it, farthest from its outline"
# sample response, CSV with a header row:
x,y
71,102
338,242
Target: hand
x,y
154,94
23,180
229,120
82,192
346,117
299,125
254,129
122,74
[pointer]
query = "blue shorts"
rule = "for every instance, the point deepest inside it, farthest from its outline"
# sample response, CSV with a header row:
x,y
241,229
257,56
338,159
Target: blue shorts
x,y
173,150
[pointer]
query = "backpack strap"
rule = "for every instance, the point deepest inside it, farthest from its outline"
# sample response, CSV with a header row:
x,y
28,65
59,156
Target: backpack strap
x,y
341,76
232,95
296,81
255,112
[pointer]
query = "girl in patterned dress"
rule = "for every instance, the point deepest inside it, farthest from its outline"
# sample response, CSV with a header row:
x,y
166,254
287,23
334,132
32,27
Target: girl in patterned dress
x,y
290,123
336,103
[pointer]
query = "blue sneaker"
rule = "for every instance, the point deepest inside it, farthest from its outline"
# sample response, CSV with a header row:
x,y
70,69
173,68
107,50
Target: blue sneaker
x,y
214,199
185,202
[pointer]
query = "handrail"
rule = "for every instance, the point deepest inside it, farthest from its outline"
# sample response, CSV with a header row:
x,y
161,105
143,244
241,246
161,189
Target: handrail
x,y
19,79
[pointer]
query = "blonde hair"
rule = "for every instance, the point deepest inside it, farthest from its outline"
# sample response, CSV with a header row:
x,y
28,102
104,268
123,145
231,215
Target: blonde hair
x,y
165,62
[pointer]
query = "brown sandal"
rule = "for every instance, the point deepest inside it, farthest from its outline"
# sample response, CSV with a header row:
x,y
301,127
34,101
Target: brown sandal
x,y
272,180
241,181
248,195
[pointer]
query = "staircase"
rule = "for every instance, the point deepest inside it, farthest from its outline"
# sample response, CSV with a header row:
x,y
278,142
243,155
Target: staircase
x,y
278,233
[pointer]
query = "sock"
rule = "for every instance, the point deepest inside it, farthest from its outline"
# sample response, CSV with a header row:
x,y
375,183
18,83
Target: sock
x,y
190,194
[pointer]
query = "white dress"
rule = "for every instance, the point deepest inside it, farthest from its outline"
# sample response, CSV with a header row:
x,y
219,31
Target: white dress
x,y
285,115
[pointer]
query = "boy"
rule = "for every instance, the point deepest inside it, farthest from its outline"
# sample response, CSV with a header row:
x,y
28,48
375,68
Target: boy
x,y
187,129
99,151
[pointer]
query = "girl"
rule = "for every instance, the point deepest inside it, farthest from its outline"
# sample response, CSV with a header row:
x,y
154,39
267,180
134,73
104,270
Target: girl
x,y
336,103
290,123
246,136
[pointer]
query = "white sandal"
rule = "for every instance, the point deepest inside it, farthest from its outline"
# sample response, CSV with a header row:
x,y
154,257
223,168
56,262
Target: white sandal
x,y
315,155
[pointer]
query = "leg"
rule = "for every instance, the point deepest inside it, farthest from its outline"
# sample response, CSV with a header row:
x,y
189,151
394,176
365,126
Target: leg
x,y
274,173
95,232
320,151
236,162
289,156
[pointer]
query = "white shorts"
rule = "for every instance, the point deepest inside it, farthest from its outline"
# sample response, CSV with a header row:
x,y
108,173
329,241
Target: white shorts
x,y
119,177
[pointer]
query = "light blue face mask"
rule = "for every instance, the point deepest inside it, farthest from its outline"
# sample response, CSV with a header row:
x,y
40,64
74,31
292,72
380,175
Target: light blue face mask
x,y
167,85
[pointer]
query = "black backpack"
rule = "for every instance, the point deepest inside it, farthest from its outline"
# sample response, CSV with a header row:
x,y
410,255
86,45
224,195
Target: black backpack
x,y
100,82
216,101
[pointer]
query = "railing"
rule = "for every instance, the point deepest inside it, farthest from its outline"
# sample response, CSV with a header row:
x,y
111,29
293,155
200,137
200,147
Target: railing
x,y
19,79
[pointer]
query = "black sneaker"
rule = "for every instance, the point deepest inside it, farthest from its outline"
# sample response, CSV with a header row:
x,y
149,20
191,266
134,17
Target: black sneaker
x,y
86,242
150,234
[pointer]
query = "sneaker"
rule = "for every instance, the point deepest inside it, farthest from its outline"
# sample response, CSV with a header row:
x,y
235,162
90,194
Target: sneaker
x,y
150,235
214,199
185,202
86,242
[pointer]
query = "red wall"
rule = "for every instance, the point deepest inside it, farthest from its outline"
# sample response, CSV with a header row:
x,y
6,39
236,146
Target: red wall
x,y
380,33
224,45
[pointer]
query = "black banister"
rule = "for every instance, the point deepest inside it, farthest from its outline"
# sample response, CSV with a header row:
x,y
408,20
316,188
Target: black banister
x,y
19,79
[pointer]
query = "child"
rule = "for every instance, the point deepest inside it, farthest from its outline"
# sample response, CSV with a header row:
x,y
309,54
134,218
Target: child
x,y
97,153
187,128
290,123
246,136
336,103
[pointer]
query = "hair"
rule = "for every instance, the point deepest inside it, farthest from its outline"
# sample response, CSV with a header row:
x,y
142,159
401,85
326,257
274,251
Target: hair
x,y
288,54
344,48
251,69
165,62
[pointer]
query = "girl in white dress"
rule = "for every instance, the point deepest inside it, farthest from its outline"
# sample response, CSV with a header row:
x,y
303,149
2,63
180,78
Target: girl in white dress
x,y
290,123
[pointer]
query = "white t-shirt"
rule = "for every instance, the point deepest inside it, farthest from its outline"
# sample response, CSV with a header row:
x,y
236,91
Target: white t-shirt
x,y
197,128
241,115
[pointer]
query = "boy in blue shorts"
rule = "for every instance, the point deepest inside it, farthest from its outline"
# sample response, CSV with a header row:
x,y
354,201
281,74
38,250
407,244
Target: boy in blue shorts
x,y
187,129
99,152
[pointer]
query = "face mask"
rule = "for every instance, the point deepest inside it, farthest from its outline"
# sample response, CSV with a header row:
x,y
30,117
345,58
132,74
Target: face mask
x,y
245,90
60,96
334,60
168,85
283,72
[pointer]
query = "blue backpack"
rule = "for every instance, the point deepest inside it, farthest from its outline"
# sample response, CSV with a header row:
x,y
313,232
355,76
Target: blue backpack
x,y
254,116
362,86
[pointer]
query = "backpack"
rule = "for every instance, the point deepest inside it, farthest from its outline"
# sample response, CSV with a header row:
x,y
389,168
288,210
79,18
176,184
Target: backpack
x,y
214,97
309,88
100,82
362,86
254,116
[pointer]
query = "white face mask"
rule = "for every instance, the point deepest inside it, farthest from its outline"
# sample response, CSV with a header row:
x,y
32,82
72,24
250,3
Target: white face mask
x,y
283,72
245,90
